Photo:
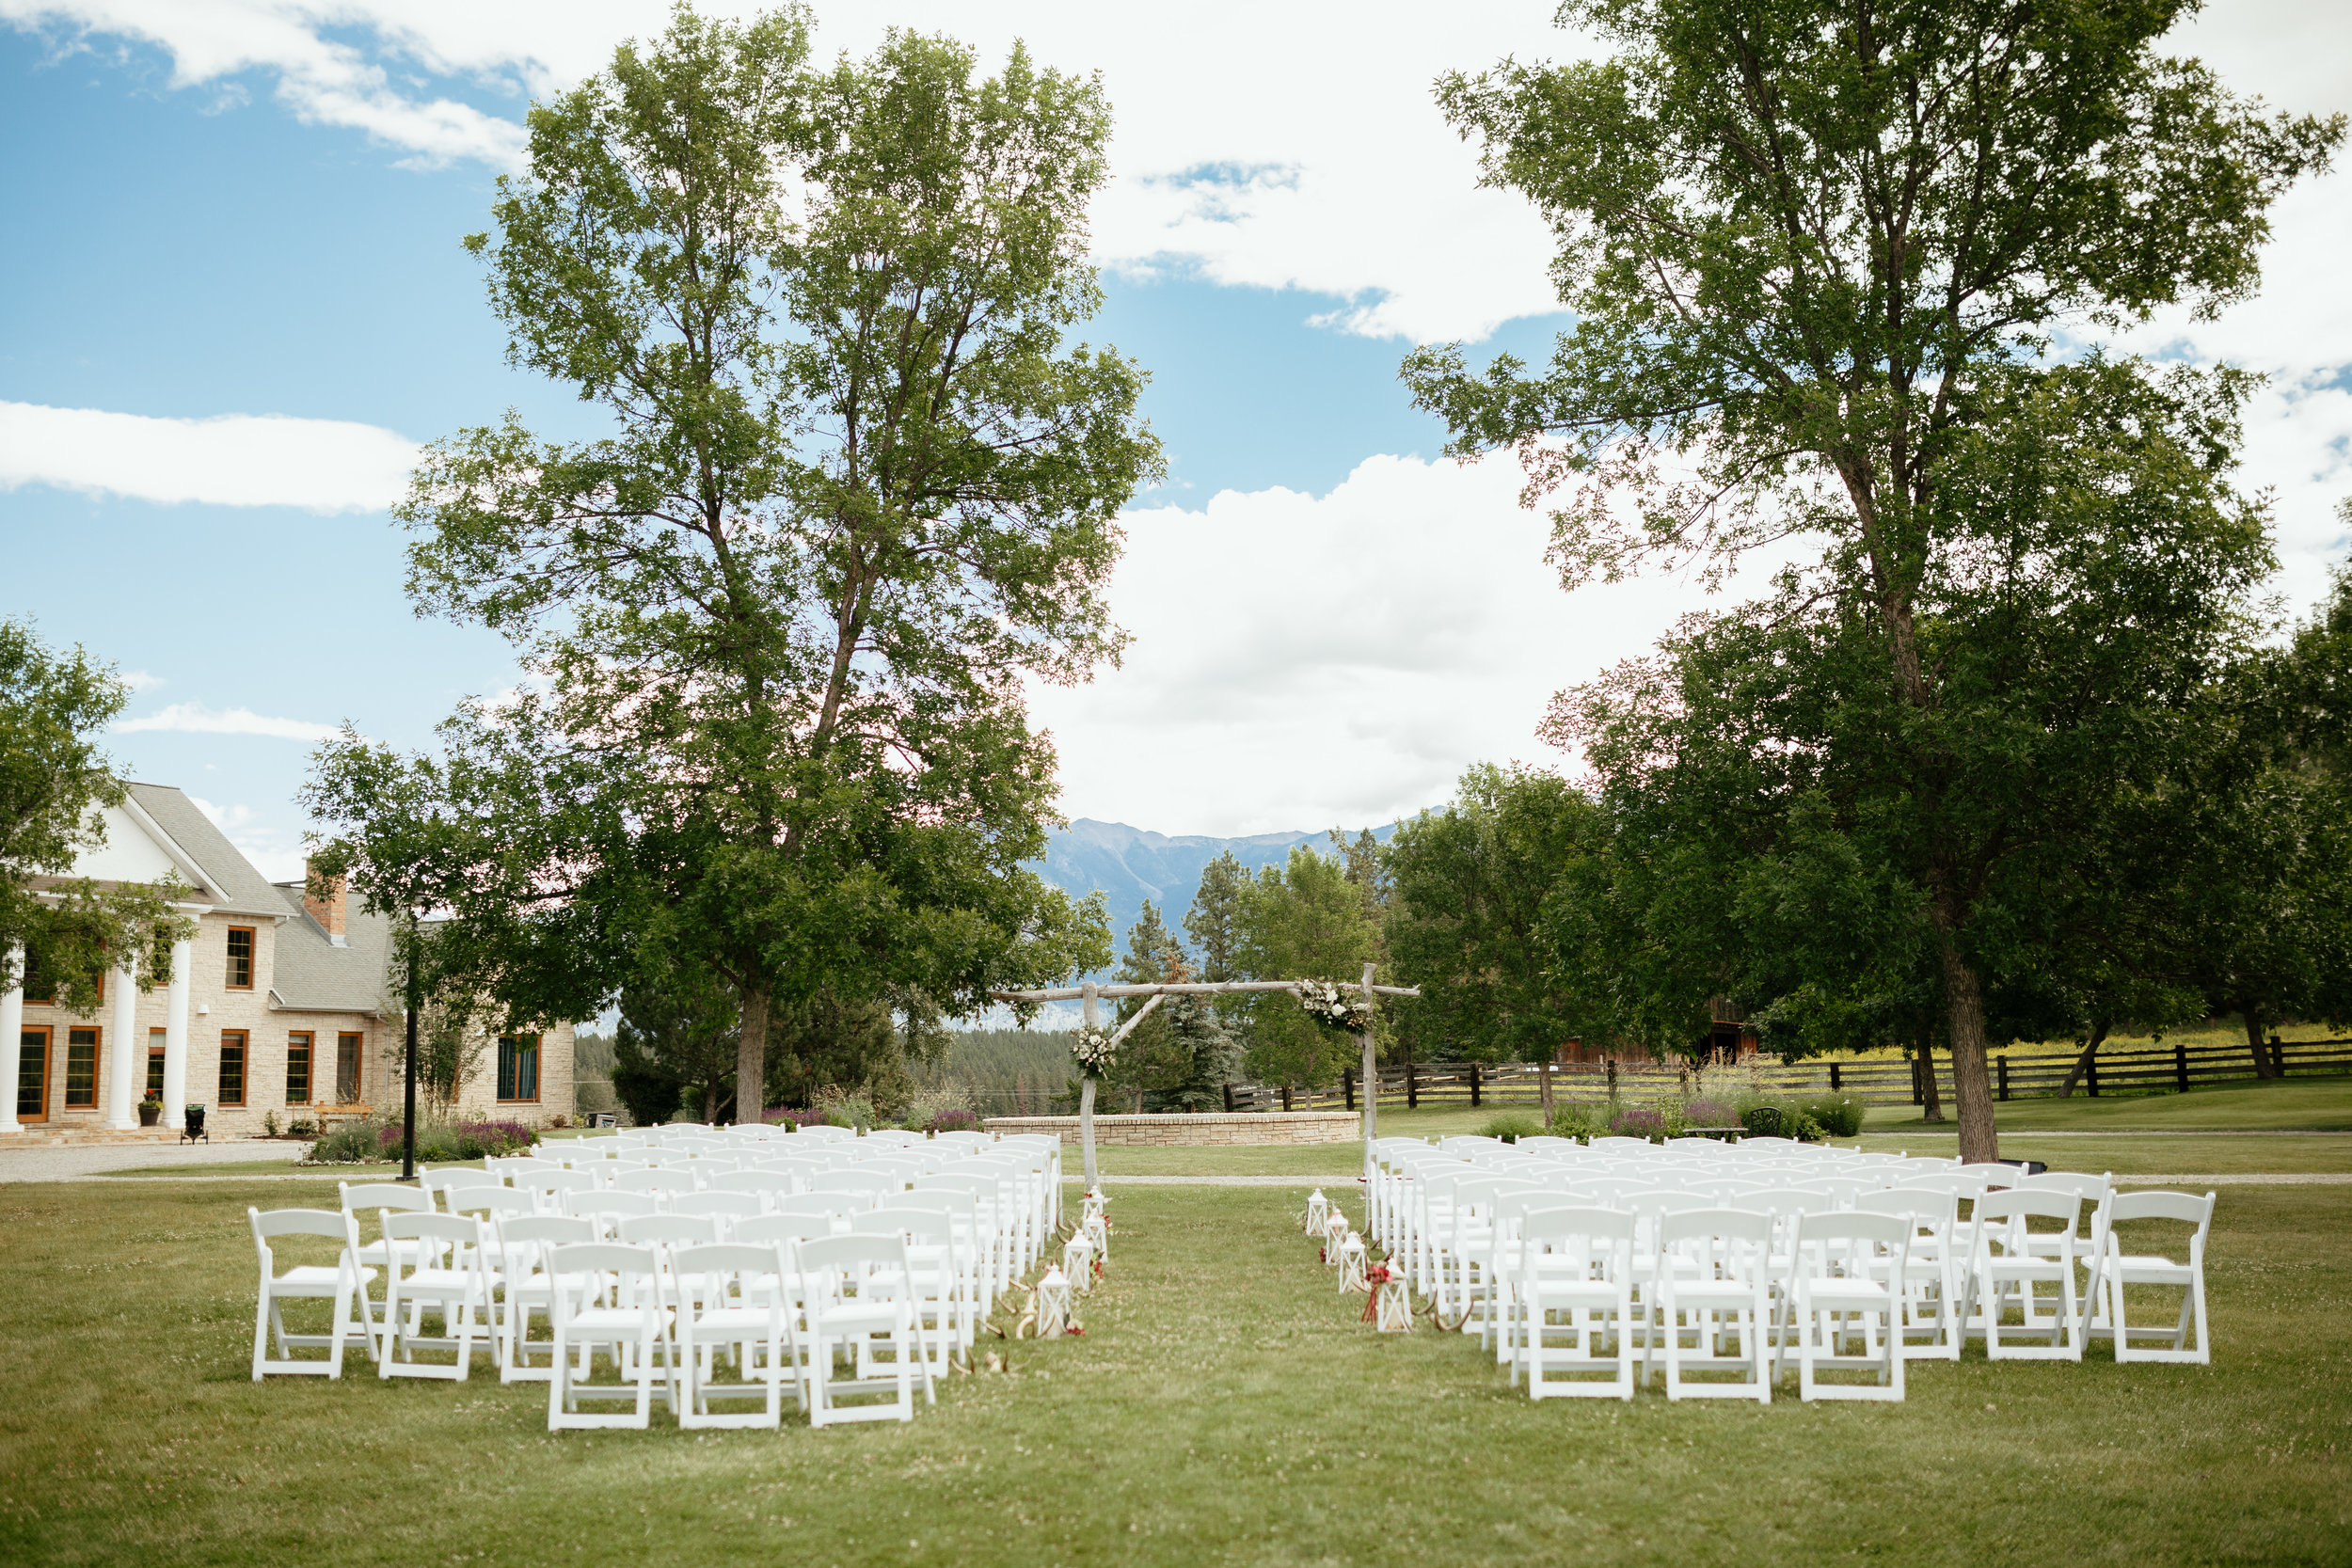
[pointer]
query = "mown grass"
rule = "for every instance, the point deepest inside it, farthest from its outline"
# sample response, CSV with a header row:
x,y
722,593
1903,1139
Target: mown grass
x,y
1225,1406
2320,1104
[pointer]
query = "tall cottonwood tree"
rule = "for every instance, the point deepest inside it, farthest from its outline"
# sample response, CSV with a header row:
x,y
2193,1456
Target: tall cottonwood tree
x,y
1801,241
857,488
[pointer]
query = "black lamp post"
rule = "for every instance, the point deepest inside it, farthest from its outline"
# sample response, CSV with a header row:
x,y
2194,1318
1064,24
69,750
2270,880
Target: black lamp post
x,y
408,1109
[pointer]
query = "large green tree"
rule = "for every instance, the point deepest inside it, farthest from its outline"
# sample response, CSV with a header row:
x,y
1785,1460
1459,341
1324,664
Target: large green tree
x,y
1465,915
55,787
1301,920
857,488
1806,247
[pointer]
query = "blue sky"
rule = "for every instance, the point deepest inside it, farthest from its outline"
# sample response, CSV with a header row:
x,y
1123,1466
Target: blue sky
x,y
253,208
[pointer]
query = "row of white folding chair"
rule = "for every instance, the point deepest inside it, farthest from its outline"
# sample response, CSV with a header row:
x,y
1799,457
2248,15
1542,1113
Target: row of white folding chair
x,y
1580,1281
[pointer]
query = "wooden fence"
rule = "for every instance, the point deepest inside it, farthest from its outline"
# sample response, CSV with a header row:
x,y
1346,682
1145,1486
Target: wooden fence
x,y
2165,1069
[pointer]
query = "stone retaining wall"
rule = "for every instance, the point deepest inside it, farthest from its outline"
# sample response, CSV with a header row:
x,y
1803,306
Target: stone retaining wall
x,y
1279,1127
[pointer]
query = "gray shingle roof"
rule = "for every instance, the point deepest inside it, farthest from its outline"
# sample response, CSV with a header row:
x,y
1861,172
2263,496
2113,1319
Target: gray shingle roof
x,y
310,972
248,891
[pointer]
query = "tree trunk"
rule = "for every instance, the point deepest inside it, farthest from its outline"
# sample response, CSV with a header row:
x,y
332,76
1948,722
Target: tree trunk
x,y
1372,1070
1543,1075
750,1056
2264,1068
1930,1091
2082,1063
1086,1091
1972,1079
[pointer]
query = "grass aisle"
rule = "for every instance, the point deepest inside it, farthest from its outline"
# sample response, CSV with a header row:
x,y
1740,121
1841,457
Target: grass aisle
x,y
1224,1406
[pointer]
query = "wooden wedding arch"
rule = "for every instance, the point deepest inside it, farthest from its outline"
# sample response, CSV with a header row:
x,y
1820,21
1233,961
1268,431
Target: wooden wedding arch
x,y
1090,994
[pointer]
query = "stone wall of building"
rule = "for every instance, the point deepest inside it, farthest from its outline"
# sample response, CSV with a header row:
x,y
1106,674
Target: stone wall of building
x,y
1280,1127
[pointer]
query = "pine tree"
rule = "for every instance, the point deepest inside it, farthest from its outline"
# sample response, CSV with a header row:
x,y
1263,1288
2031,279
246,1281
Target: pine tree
x,y
1149,1060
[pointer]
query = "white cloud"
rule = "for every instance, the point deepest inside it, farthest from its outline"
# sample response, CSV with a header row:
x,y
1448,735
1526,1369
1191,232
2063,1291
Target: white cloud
x,y
1302,663
196,719
140,680
230,460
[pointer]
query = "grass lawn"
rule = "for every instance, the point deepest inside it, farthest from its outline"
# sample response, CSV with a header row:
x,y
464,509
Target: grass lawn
x,y
2323,1104
1225,1406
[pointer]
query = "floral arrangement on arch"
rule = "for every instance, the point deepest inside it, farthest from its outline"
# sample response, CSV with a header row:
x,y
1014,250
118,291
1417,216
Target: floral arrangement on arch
x,y
1094,1051
1327,1003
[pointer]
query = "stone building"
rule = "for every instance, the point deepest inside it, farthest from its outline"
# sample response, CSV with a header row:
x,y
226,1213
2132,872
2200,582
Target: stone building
x,y
280,1003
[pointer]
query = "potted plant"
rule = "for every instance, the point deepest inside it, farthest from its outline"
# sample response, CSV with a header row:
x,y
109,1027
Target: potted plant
x,y
151,1111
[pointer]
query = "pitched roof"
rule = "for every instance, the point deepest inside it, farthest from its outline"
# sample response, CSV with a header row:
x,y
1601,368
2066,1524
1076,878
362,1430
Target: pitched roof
x,y
246,891
311,972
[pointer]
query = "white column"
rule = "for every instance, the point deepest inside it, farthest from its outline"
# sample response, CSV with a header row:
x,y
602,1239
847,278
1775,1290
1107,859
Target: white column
x,y
124,1075
176,1037
11,1039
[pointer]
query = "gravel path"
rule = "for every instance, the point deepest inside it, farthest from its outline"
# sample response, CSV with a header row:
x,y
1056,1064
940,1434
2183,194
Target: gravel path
x,y
72,1164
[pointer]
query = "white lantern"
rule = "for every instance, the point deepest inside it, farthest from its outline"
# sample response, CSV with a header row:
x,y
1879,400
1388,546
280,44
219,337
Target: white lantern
x,y
1096,1228
1352,1265
1391,1300
1077,1263
1318,1210
1053,1304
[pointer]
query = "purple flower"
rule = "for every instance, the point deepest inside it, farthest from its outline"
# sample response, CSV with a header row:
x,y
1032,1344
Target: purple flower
x,y
954,1121
1637,1124
1705,1113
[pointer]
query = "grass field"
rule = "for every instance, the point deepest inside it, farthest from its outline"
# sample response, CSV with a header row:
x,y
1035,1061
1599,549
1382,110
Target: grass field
x,y
1225,1406
2293,1103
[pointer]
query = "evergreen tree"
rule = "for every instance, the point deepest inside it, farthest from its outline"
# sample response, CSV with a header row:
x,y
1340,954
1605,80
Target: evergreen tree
x,y
1150,1060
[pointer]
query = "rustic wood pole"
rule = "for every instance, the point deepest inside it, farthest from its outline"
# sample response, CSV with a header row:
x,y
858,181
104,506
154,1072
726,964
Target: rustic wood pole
x,y
1086,1092
1372,1070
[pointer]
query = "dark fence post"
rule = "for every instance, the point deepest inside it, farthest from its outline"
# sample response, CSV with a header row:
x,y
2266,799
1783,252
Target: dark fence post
x,y
2002,1062
2278,1056
1836,1088
1412,1089
1286,1097
1473,1085
2090,1077
2180,1065
1228,1099
1347,1081
1918,1090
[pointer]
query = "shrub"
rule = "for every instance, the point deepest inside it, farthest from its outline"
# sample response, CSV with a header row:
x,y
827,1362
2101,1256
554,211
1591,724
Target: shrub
x,y
793,1117
355,1143
303,1128
1639,1122
1571,1120
1511,1125
1839,1115
954,1121
1705,1113
269,1124
477,1140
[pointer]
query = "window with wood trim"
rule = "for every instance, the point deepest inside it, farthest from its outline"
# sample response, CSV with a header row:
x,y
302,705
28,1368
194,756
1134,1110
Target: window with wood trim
x,y
32,1075
240,958
155,1039
80,1070
298,1067
518,1066
347,1084
231,1066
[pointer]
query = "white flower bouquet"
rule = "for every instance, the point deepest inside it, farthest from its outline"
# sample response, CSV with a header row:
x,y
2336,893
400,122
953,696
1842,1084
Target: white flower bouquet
x,y
1327,1003
1094,1051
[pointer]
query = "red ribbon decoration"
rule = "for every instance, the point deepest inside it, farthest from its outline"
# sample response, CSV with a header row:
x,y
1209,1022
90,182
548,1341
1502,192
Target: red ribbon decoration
x,y
1376,1277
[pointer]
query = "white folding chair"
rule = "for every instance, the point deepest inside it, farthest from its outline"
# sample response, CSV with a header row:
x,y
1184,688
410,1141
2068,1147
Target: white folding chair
x,y
727,1300
724,1207
1933,1271
2007,1269
608,1208
1720,1296
447,1275
1576,1303
858,1304
381,1199
2119,1270
607,1295
523,1242
1849,1286
440,1183
942,1306
345,1285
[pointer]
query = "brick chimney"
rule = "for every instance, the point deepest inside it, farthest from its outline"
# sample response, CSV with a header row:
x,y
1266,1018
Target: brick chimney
x,y
331,911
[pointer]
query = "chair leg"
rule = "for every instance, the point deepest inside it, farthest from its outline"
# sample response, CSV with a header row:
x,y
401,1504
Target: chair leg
x,y
260,1330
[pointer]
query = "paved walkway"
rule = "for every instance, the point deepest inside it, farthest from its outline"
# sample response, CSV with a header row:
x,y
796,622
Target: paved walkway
x,y
74,1162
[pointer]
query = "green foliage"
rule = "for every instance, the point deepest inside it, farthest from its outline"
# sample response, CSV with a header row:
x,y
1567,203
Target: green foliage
x,y
1511,1125
856,489
1570,1119
1304,920
999,1070
1464,919
675,1046
1838,1116
55,787
349,1143
1814,266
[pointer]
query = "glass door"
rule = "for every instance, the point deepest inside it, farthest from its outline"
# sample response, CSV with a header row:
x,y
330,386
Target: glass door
x,y
32,1076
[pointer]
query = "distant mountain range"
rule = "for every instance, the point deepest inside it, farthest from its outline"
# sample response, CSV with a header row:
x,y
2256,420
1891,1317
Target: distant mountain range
x,y
1132,864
